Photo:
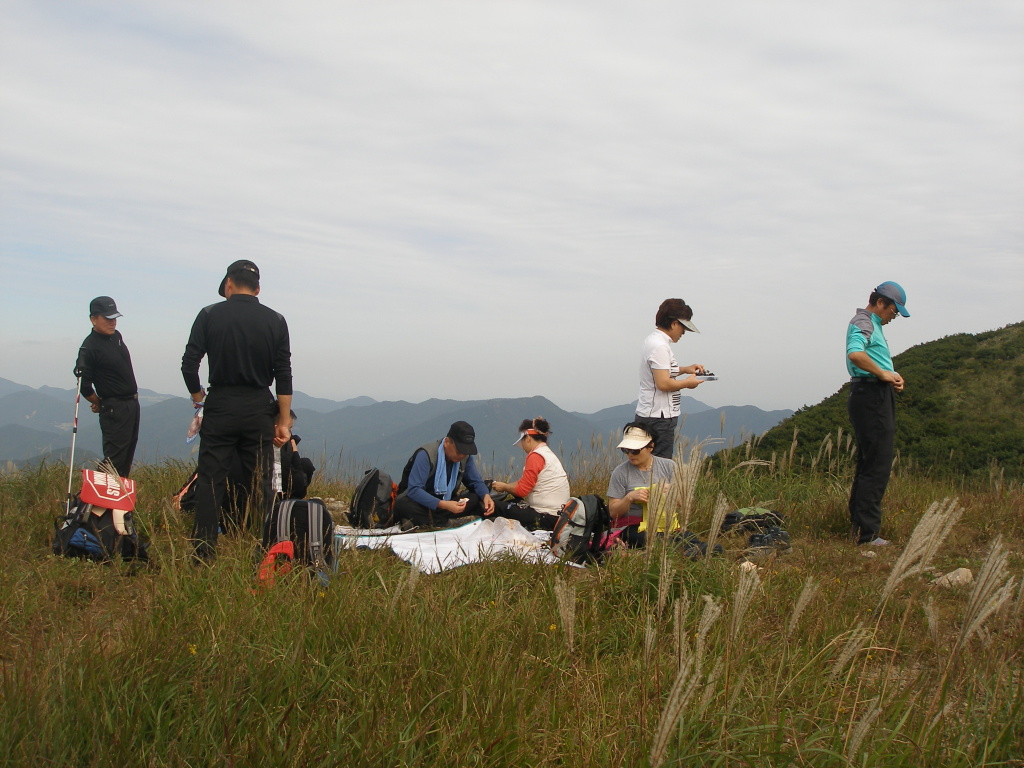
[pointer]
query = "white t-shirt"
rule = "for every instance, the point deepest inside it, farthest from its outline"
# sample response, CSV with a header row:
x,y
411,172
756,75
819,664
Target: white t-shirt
x,y
657,355
278,484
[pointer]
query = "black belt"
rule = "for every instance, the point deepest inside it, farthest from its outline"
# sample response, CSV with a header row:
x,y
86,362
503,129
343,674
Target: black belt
x,y
122,397
867,380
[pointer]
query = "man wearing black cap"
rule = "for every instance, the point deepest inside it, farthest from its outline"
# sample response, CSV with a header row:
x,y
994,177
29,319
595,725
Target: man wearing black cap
x,y
108,383
872,407
247,347
432,476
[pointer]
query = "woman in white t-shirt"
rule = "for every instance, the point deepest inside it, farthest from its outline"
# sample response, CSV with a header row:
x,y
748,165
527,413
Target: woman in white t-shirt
x,y
657,408
543,489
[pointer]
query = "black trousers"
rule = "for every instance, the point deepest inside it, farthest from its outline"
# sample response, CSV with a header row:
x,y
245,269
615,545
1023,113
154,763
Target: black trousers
x,y
237,422
527,515
663,430
119,423
872,409
421,516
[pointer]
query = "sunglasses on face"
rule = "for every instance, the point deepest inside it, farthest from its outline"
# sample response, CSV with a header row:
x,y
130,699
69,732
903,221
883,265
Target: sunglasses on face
x,y
633,451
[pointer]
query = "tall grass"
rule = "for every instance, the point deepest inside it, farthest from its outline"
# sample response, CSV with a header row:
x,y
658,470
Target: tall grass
x,y
822,657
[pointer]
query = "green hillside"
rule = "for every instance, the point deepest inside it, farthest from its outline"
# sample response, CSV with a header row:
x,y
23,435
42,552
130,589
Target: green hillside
x,y
962,409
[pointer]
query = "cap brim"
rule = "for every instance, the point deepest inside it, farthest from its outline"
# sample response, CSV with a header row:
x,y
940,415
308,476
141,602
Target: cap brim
x,y
466,449
222,284
902,310
113,316
687,325
633,443
521,436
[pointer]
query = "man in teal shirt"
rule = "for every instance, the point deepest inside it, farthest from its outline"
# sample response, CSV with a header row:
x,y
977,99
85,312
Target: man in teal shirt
x,y
872,407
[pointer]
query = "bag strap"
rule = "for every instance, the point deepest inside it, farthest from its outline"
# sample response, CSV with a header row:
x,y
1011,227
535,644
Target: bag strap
x,y
284,520
315,513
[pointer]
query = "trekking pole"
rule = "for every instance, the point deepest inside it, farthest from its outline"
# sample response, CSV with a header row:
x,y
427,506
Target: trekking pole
x,y
74,435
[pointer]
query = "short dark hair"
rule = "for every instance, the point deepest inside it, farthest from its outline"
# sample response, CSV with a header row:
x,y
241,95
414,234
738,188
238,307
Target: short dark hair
x,y
244,278
671,309
875,296
540,424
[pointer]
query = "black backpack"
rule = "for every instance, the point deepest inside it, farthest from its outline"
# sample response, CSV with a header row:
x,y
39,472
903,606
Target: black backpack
x,y
82,533
373,501
307,524
756,519
579,530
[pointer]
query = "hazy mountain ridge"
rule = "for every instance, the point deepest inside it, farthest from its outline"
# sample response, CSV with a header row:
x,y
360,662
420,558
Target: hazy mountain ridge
x,y
342,436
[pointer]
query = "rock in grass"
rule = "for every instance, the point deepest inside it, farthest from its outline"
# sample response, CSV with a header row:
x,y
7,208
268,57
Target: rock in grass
x,y
958,578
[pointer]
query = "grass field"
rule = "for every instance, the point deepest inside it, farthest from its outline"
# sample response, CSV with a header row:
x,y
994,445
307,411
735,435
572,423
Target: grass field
x,y
822,657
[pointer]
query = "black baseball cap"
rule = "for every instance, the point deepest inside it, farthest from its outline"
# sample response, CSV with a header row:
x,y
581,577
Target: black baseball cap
x,y
103,305
243,265
464,437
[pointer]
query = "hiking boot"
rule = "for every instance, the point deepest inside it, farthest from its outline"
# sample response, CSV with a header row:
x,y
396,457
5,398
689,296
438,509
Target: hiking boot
x,y
878,541
406,525
772,538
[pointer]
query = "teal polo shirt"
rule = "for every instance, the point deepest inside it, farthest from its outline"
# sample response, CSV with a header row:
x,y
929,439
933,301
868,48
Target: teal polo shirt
x,y
864,334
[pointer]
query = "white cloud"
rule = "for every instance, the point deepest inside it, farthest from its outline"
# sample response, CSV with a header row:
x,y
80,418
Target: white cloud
x,y
475,200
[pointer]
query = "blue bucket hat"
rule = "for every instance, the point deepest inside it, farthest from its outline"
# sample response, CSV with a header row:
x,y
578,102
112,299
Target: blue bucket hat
x,y
895,292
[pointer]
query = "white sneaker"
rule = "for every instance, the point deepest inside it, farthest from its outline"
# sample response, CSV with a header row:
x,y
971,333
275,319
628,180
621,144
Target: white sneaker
x,y
878,541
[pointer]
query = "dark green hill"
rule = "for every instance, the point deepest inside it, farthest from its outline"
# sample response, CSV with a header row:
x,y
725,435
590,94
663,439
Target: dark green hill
x,y
962,408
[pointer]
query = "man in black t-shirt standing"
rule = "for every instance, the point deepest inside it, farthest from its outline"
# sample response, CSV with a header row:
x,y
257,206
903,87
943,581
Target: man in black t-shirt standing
x,y
247,347
108,383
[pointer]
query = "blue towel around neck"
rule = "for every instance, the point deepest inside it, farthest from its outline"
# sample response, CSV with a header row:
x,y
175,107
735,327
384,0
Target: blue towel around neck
x,y
441,480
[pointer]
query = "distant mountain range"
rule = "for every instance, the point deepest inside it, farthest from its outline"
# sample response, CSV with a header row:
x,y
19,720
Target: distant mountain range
x,y
342,437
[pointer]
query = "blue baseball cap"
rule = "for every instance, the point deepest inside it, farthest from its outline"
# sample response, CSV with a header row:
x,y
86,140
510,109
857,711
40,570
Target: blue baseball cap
x,y
894,291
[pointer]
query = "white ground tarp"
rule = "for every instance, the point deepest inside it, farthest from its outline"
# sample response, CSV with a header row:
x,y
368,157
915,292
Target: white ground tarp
x,y
438,551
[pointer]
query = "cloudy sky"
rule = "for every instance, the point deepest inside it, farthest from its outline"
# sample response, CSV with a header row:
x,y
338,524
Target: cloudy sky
x,y
490,199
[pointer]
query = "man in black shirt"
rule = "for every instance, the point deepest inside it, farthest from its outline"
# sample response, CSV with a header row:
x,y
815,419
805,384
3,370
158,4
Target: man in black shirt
x,y
247,347
108,383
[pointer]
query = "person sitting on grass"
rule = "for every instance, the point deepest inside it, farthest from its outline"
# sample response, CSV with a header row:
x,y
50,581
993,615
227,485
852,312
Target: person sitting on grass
x,y
292,473
233,507
629,488
543,489
432,475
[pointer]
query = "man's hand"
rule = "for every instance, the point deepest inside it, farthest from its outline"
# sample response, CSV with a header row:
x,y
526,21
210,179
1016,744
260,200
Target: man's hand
x,y
488,503
452,507
94,407
891,377
282,434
